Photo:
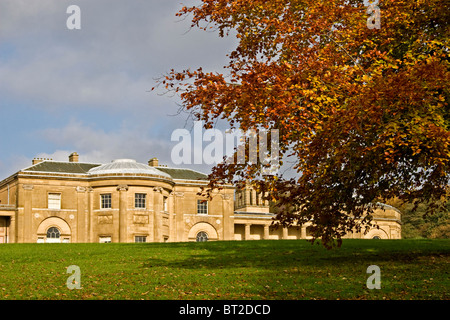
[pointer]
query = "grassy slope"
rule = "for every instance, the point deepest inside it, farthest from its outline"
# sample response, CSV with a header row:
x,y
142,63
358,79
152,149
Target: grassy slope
x,y
410,269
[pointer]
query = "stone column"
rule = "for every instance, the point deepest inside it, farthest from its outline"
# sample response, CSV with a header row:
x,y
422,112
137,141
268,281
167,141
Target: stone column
x,y
12,234
27,213
172,217
157,220
90,216
247,197
227,211
179,215
122,213
266,232
81,214
247,231
285,233
303,234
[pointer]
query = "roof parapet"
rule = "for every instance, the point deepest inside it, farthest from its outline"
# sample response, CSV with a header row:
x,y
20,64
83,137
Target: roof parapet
x,y
39,160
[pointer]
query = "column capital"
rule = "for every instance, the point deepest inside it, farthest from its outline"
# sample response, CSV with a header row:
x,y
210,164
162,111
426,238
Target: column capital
x,y
122,187
226,196
157,189
81,189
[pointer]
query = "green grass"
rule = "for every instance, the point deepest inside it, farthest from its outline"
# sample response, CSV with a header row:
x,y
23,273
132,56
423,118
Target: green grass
x,y
289,269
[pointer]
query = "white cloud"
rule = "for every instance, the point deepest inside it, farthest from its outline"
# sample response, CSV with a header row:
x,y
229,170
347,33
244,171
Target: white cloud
x,y
112,60
96,145
106,67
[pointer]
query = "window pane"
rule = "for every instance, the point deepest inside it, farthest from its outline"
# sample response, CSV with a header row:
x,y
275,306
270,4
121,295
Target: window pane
x,y
54,201
106,201
105,239
140,239
202,236
139,200
53,233
202,207
165,207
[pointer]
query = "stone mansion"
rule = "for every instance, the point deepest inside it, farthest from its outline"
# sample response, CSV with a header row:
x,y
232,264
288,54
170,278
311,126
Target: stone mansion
x,y
127,201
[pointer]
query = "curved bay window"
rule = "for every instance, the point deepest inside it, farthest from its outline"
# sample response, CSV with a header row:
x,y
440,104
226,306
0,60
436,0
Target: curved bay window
x,y
202,236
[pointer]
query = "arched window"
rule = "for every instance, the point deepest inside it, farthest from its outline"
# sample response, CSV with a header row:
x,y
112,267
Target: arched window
x,y
376,237
53,233
202,236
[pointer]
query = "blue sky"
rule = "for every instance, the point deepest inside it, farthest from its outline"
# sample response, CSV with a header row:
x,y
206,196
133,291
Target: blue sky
x,y
87,90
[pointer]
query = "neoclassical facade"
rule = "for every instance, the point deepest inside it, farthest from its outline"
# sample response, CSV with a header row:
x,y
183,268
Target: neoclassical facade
x,y
127,201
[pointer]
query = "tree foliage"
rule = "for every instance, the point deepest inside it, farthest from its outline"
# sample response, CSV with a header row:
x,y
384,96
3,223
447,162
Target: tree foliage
x,y
362,112
416,223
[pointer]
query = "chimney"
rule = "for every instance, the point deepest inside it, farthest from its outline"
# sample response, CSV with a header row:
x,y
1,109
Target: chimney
x,y
37,160
73,157
153,162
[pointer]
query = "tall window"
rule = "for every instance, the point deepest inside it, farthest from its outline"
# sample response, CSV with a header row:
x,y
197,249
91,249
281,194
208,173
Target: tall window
x,y
54,201
202,207
165,206
139,200
105,201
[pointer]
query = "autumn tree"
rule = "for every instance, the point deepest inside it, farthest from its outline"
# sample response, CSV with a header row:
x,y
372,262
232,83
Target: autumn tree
x,y
363,112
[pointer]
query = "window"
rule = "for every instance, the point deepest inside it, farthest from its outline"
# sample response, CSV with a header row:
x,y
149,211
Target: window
x,y
140,239
53,235
54,201
202,236
104,239
165,207
105,201
139,200
202,207
309,231
376,237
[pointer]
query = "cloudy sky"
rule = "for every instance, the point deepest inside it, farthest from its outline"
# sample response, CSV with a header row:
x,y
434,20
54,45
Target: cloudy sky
x,y
87,90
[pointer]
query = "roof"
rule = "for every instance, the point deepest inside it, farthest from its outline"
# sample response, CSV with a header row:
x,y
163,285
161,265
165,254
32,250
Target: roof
x,y
62,167
127,166
117,166
184,174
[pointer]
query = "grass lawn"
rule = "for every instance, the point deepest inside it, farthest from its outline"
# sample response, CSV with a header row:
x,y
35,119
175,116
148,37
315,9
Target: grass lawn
x,y
280,269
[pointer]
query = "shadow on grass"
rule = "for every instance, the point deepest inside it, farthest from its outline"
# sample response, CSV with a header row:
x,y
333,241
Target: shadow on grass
x,y
291,253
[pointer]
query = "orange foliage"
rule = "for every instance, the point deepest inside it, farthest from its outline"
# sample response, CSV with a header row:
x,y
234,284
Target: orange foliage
x,y
363,112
